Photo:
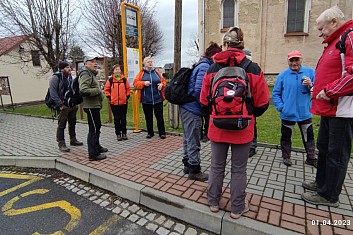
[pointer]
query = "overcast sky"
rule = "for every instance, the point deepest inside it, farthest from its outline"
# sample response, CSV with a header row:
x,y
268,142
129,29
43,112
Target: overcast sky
x,y
165,16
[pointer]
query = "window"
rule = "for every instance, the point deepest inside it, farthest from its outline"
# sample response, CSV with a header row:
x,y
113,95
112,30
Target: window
x,y
229,13
297,16
35,58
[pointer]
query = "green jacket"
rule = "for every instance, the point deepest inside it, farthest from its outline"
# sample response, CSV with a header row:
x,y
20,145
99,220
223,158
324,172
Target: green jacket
x,y
90,89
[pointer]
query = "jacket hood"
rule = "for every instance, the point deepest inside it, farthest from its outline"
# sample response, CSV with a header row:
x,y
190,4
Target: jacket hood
x,y
337,33
224,57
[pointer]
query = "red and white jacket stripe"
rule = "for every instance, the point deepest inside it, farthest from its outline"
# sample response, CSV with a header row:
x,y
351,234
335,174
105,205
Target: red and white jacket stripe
x,y
329,77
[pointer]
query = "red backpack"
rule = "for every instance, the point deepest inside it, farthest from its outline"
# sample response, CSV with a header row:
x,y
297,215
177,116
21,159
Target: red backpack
x,y
230,98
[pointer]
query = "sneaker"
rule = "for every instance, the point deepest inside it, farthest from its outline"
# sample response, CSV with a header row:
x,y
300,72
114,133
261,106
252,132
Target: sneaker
x,y
162,136
75,143
252,152
214,209
287,162
124,137
312,162
316,199
198,176
119,138
98,158
313,186
64,149
149,136
186,170
103,150
238,215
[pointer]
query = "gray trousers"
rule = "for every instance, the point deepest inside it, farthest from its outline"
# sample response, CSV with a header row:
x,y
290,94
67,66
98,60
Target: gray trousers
x,y
67,115
239,160
191,140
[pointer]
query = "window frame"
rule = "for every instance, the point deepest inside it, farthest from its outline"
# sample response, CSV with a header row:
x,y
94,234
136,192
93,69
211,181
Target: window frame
x,y
236,11
305,30
35,55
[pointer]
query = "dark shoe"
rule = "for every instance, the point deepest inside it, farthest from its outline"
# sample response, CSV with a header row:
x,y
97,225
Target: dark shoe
x,y
162,136
98,158
287,161
63,148
149,136
103,150
75,142
119,138
313,186
186,170
316,199
198,176
252,152
312,162
124,137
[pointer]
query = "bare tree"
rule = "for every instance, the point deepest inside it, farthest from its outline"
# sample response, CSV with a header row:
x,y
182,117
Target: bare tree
x,y
103,34
49,22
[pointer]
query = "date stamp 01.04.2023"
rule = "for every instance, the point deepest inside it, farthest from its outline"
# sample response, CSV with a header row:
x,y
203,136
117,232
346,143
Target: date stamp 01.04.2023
x,y
331,222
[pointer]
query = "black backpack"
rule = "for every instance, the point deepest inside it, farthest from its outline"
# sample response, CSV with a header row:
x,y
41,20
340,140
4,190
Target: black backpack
x,y
230,98
341,45
72,96
176,91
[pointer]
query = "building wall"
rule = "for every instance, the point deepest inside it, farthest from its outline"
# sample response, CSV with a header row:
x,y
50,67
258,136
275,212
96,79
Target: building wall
x,y
263,23
27,82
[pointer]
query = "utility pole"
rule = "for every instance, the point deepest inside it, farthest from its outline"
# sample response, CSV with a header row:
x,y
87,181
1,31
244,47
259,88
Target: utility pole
x,y
174,109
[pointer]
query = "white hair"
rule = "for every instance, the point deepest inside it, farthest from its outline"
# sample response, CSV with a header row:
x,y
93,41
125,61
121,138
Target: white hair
x,y
330,14
147,58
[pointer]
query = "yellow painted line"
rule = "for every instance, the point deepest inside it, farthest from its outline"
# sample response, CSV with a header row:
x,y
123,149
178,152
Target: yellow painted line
x,y
73,211
102,228
31,179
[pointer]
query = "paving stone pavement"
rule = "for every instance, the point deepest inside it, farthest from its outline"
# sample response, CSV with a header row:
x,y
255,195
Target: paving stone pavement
x,y
153,168
156,222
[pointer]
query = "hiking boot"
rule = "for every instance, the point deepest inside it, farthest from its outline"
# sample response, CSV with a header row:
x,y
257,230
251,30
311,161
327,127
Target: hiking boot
x,y
313,186
148,136
119,138
287,162
316,199
98,158
238,215
162,136
252,152
75,142
65,149
312,162
124,137
205,139
186,170
103,150
198,176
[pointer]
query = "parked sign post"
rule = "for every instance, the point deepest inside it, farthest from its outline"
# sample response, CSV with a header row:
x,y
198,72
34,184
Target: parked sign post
x,y
5,90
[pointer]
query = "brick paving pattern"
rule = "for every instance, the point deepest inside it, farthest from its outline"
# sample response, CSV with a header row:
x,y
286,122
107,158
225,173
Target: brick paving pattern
x,y
274,191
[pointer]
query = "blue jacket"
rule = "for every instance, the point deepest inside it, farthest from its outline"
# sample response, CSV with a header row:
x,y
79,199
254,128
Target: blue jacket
x,y
195,86
151,94
290,97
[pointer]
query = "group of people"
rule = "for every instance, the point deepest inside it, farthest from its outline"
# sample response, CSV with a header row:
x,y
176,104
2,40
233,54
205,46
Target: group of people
x,y
328,87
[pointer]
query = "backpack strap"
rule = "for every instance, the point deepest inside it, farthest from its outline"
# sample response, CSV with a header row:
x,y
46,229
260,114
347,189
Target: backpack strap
x,y
341,45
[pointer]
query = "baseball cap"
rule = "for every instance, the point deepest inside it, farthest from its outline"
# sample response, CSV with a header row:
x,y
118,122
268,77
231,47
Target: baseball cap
x,y
294,54
89,58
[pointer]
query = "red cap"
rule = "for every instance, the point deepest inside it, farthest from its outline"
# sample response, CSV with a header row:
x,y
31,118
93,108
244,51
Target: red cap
x,y
294,54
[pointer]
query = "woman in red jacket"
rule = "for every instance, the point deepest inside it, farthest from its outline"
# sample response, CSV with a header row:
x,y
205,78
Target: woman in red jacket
x,y
117,90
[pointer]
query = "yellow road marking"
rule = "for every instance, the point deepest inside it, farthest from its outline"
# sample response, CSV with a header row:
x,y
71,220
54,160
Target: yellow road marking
x,y
31,179
73,211
102,228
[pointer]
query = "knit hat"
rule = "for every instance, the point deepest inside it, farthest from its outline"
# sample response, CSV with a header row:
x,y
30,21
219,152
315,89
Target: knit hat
x,y
63,64
294,54
234,38
212,49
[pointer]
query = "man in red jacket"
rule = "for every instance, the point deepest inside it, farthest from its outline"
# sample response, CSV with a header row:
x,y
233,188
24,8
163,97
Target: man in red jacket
x,y
239,140
332,100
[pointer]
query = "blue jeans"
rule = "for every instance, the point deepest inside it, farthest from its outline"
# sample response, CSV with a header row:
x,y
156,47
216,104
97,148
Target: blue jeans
x,y
191,140
334,144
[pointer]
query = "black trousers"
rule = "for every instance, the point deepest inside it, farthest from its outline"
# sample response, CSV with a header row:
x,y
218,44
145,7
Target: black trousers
x,y
119,113
148,109
94,128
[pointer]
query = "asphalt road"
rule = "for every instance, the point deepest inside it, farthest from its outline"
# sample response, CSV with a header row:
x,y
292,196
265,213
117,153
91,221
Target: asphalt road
x,y
36,205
